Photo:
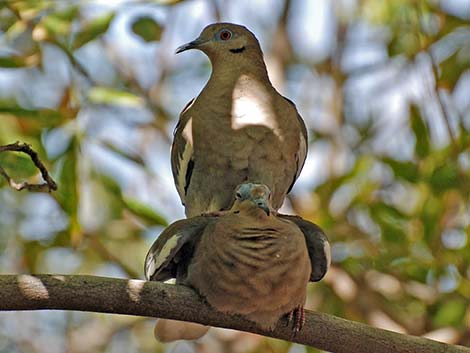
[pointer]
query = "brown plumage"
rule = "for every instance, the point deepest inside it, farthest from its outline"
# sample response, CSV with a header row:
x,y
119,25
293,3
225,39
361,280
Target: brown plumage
x,y
252,264
238,129
249,261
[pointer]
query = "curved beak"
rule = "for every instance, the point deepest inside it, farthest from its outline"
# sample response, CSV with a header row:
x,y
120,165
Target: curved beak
x,y
191,45
261,203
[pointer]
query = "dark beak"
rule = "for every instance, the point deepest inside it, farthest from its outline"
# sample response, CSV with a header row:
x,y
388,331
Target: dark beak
x,y
267,210
264,207
191,45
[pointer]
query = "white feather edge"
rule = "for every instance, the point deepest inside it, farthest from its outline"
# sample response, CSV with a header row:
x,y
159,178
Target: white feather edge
x,y
155,260
302,154
183,161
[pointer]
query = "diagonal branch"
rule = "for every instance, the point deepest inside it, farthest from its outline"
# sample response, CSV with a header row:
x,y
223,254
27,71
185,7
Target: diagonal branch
x,y
98,246
439,100
49,184
155,299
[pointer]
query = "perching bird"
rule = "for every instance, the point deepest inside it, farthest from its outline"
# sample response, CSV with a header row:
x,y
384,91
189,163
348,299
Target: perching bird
x,y
249,261
238,129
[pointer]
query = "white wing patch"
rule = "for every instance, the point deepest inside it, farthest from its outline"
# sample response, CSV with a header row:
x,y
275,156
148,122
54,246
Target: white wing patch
x,y
183,161
302,154
154,261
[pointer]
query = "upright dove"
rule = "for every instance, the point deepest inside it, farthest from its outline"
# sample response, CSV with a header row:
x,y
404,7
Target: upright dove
x,y
248,261
238,129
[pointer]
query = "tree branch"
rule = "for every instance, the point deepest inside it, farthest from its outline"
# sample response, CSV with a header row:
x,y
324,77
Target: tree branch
x,y
155,299
25,148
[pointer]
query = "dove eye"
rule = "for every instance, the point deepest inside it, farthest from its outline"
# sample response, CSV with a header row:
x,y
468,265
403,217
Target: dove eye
x,y
239,196
225,35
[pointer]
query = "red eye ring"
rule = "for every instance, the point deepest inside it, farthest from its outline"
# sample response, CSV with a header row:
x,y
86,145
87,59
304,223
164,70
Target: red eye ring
x,y
225,35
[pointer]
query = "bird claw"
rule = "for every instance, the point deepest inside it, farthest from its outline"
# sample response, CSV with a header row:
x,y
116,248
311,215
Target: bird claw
x,y
297,318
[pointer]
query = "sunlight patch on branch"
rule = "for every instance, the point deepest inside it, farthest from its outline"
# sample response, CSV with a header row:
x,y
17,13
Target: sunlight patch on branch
x,y
32,287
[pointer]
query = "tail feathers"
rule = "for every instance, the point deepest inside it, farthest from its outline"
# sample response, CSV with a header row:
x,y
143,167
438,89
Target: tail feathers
x,y
172,330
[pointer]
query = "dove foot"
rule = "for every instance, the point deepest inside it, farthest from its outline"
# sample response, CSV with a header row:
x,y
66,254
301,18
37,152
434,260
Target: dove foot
x,y
297,318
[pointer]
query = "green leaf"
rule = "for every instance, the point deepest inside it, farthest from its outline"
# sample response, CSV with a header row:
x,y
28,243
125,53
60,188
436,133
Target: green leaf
x,y
56,26
430,215
13,62
47,116
391,221
105,95
453,67
16,30
144,211
32,8
31,252
405,43
136,158
450,313
405,170
17,165
420,129
401,261
451,23
92,30
445,177
6,21
68,14
110,184
67,194
147,29
67,179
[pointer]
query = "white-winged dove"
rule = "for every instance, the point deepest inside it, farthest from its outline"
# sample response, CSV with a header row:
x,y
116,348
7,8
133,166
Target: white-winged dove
x,y
248,261
238,129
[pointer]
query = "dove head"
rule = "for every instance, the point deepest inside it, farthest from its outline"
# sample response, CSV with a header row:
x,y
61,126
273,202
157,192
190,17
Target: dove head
x,y
225,40
252,196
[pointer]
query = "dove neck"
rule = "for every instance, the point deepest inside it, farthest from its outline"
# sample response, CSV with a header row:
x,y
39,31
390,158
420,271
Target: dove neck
x,y
229,71
256,213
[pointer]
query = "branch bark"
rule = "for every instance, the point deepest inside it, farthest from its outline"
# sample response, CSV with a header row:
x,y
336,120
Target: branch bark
x,y
49,184
155,299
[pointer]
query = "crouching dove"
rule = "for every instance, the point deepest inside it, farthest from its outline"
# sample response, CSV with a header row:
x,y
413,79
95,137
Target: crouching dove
x,y
238,129
248,261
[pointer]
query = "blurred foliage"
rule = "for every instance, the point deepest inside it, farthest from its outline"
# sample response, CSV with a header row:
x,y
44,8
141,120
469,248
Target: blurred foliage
x,y
398,218
147,29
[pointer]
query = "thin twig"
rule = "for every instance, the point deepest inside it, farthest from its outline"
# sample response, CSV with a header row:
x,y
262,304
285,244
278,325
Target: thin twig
x,y
137,88
99,247
435,73
49,184
440,103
